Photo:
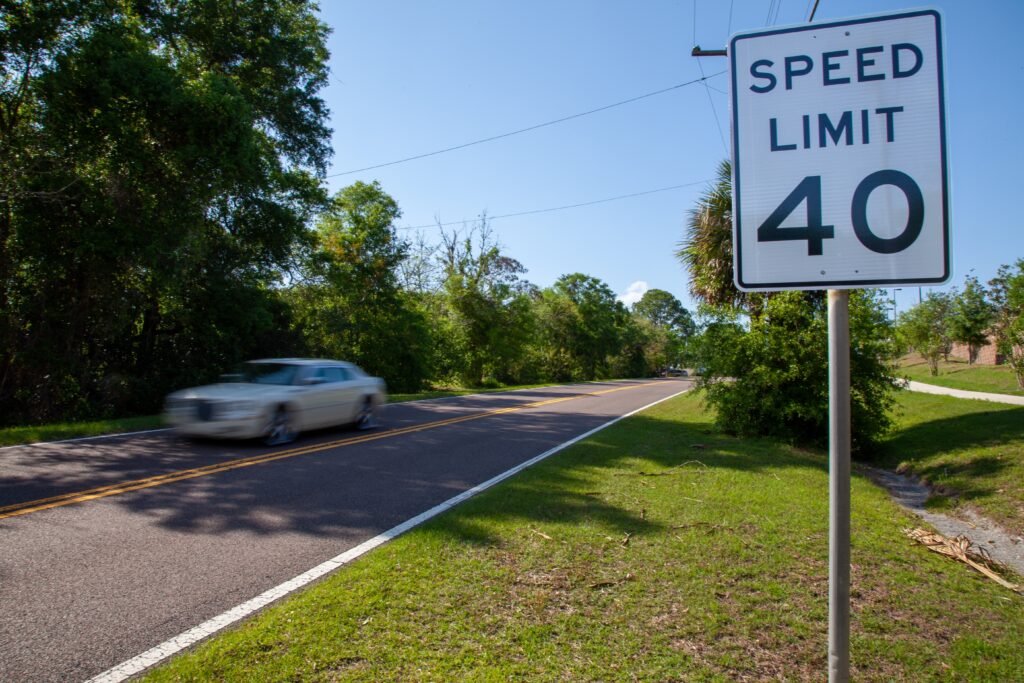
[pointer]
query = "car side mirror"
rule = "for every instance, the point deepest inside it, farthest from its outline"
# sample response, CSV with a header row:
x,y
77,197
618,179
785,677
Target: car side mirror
x,y
310,381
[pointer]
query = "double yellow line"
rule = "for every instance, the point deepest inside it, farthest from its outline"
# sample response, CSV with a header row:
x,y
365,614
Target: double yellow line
x,y
31,506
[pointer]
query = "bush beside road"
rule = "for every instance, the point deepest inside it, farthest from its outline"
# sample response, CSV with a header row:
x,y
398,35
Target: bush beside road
x,y
657,549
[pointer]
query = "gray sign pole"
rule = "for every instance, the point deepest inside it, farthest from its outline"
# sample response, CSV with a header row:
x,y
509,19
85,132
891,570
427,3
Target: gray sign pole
x,y
839,486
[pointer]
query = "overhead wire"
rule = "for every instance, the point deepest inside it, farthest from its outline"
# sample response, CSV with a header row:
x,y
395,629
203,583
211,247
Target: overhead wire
x,y
778,9
813,11
527,129
560,208
707,90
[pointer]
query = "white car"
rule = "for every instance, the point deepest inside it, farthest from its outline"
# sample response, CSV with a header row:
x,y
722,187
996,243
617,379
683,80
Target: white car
x,y
276,398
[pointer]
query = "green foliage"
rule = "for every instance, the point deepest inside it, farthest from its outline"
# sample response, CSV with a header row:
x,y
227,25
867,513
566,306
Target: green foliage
x,y
925,328
155,183
350,305
664,310
971,317
706,250
668,328
487,306
719,331
1008,297
587,330
773,379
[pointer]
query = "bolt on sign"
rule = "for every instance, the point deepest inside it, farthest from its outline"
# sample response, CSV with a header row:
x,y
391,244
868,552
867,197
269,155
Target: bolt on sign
x,y
839,154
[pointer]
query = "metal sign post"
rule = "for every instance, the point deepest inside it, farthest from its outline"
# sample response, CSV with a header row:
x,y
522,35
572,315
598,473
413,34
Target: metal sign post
x,y
839,486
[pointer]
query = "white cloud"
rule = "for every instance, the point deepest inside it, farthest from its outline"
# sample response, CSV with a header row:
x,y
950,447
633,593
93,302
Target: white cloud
x,y
634,293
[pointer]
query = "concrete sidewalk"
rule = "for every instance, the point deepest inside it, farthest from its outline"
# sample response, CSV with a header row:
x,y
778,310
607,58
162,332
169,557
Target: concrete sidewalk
x,y
960,393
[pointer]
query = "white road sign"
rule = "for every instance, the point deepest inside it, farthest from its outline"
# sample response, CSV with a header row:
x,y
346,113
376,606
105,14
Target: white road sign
x,y
839,154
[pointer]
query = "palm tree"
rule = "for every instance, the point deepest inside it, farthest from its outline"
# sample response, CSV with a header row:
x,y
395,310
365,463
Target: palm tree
x,y
706,251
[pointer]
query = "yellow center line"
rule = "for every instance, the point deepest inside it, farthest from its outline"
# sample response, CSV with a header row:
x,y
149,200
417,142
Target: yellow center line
x,y
31,506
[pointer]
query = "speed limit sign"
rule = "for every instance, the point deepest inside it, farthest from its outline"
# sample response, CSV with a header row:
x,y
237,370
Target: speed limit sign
x,y
839,154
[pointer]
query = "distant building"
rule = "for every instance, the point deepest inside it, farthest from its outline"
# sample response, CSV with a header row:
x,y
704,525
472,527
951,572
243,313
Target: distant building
x,y
987,355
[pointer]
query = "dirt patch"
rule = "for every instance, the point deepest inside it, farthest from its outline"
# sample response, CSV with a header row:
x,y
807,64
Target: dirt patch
x,y
912,493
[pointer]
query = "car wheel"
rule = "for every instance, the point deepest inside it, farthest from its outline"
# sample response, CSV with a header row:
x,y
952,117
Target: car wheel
x,y
281,429
367,418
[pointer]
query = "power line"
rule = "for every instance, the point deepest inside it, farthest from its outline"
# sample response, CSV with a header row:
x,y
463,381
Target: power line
x,y
714,111
530,128
778,8
811,18
707,89
563,208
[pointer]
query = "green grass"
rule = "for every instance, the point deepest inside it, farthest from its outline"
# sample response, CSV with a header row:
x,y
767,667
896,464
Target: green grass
x,y
659,549
972,450
957,374
12,436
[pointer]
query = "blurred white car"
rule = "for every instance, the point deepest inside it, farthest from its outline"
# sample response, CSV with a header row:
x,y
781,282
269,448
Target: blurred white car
x,y
276,398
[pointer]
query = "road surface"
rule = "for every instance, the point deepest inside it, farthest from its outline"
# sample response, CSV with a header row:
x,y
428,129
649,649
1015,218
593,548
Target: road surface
x,y
111,546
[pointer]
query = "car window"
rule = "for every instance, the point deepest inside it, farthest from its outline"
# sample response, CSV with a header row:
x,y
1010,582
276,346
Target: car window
x,y
355,371
335,373
318,373
268,373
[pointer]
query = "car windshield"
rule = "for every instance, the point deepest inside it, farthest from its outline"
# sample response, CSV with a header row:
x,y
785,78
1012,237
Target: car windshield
x,y
266,373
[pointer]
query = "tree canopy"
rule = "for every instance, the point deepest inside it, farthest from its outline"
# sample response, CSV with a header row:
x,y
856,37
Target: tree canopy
x,y
157,166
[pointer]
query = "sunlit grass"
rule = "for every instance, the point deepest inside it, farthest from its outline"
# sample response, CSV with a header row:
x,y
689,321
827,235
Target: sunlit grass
x,y
659,549
957,374
971,450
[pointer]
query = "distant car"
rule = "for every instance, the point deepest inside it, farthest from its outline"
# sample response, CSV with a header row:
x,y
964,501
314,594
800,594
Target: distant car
x,y
675,372
276,398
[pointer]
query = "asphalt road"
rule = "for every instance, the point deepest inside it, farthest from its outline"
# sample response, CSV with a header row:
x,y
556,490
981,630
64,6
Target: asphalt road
x,y
111,546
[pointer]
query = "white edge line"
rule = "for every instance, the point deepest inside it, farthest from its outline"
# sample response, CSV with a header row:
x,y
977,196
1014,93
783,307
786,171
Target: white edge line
x,y
154,655
86,438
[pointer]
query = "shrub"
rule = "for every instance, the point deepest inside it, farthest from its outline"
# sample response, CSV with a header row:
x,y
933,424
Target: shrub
x,y
772,380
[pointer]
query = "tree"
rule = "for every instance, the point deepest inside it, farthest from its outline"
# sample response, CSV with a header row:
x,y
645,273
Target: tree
x,y
1007,290
153,156
664,310
925,328
706,250
487,304
351,305
587,331
970,318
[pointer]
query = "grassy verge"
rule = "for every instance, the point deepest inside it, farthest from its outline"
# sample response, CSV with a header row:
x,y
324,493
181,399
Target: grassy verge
x,y
11,436
658,549
972,450
957,374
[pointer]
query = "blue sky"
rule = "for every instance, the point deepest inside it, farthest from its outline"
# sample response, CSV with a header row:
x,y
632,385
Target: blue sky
x,y
410,77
